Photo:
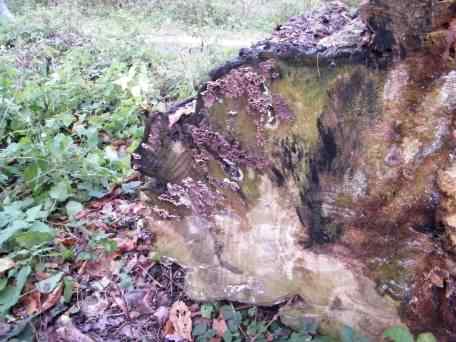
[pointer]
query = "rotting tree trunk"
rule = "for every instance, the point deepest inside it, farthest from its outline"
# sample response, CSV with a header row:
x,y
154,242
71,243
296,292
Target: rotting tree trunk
x,y
320,164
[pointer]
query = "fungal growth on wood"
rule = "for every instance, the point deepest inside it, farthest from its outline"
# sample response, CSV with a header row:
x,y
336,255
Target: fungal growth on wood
x,y
320,163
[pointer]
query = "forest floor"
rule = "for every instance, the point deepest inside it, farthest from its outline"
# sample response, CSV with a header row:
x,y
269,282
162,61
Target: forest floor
x,y
76,262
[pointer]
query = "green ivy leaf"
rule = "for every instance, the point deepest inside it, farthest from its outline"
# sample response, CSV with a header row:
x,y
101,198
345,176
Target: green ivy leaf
x,y
207,310
66,118
3,283
299,337
11,294
68,287
73,207
228,336
256,328
67,254
227,311
110,246
35,213
26,335
126,282
8,232
232,317
130,187
19,331
234,325
39,233
199,329
252,312
60,191
398,334
426,337
350,335
31,172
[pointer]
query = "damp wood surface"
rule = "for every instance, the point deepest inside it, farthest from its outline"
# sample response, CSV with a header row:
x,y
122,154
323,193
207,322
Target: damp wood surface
x,y
320,164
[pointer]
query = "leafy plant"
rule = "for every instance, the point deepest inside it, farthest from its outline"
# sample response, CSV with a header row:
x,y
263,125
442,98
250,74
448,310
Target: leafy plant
x,y
207,310
348,334
250,324
22,224
426,337
10,294
403,334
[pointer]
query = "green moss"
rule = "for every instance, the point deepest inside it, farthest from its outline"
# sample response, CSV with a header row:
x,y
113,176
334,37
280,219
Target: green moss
x,y
230,117
304,90
392,277
344,200
332,231
390,271
250,185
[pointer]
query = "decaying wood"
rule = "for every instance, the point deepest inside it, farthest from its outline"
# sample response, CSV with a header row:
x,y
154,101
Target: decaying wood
x,y
320,163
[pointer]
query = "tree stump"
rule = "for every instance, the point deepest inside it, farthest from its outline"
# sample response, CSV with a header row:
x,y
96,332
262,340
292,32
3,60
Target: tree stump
x,y
320,163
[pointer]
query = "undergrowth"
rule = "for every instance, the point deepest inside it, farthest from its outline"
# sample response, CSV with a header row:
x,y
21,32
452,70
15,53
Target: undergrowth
x,y
73,88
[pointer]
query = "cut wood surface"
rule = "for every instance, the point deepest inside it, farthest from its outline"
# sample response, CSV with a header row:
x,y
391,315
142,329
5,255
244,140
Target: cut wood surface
x,y
320,164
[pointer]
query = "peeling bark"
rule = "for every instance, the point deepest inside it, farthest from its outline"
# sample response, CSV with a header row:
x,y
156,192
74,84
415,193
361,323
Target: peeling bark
x,y
319,163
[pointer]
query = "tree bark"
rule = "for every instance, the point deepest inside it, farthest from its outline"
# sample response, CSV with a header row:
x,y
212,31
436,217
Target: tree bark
x,y
319,164
4,11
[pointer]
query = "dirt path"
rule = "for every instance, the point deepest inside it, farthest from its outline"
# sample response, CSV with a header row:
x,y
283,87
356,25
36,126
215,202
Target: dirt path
x,y
174,40
185,40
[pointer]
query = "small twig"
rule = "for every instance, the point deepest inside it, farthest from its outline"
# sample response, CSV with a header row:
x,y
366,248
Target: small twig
x,y
78,302
171,280
318,65
244,306
115,315
276,316
124,300
244,333
156,282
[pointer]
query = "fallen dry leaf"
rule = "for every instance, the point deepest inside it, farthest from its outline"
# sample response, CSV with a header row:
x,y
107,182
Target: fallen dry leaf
x,y
94,305
82,268
181,318
168,329
162,314
69,333
52,299
126,244
67,241
140,300
103,266
32,302
219,325
42,275
121,304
